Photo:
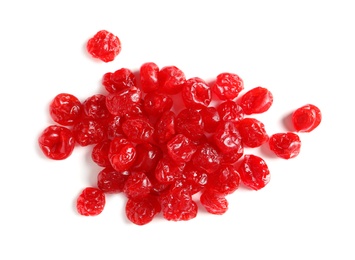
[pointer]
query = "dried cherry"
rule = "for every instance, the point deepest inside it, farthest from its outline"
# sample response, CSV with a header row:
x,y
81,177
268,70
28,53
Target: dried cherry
x,y
306,118
90,202
104,46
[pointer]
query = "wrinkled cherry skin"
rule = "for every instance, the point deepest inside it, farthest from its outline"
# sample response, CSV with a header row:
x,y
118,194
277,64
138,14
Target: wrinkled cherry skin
x,y
189,123
227,86
225,180
285,145
196,93
155,103
206,158
171,80
253,132
227,137
254,172
165,127
210,118
99,154
180,148
119,80
306,118
111,181
95,107
214,202
256,101
138,129
91,202
142,211
230,111
122,154
56,142
124,102
137,185
149,77
147,158
88,131
65,109
104,46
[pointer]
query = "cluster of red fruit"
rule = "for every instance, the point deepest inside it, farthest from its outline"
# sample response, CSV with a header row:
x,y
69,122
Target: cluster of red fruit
x,y
159,153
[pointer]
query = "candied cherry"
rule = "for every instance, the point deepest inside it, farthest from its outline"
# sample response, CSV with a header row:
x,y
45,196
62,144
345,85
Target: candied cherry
x,y
227,86
121,79
214,202
114,127
56,142
111,181
285,145
227,137
225,180
230,111
167,170
253,132
256,101
254,172
147,158
171,80
138,129
137,185
306,118
90,202
88,131
149,77
122,154
189,123
124,102
99,153
155,103
104,46
165,127
180,148
194,178
206,158
95,107
65,109
210,118
196,93
142,211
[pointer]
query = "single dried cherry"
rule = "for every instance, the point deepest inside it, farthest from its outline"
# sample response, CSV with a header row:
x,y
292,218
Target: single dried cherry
x,y
285,145
256,101
171,80
306,118
253,132
196,93
90,202
254,172
227,86
122,154
65,109
104,46
142,211
149,72
111,181
214,202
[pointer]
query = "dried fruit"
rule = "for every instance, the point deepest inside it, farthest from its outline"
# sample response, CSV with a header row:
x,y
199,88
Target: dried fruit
x,y
256,101
285,145
253,132
213,202
56,142
90,202
306,118
227,86
254,172
104,46
65,109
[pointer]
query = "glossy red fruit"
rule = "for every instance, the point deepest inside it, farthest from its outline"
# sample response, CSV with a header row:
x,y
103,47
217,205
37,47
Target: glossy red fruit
x,y
110,180
196,93
88,131
155,103
147,158
149,77
138,129
230,111
104,46
227,137
142,211
124,102
167,170
180,148
177,205
65,109
256,101
137,185
165,127
253,132
285,145
56,142
95,107
227,86
206,158
225,180
90,202
193,178
213,202
306,118
189,123
114,127
171,80
99,154
122,154
210,118
254,172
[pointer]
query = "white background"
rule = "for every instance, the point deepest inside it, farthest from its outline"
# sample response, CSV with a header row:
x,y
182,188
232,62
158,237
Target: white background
x,y
303,51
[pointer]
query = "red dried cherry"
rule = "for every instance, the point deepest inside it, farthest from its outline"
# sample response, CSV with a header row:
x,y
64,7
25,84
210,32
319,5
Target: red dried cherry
x,y
180,148
165,127
65,109
122,154
256,101
142,211
99,153
210,118
90,202
285,145
306,118
227,86
111,181
189,123
230,111
214,202
227,137
137,185
88,131
121,79
225,180
196,93
138,129
206,158
95,107
104,46
149,77
56,142
253,132
123,103
155,103
171,80
254,172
